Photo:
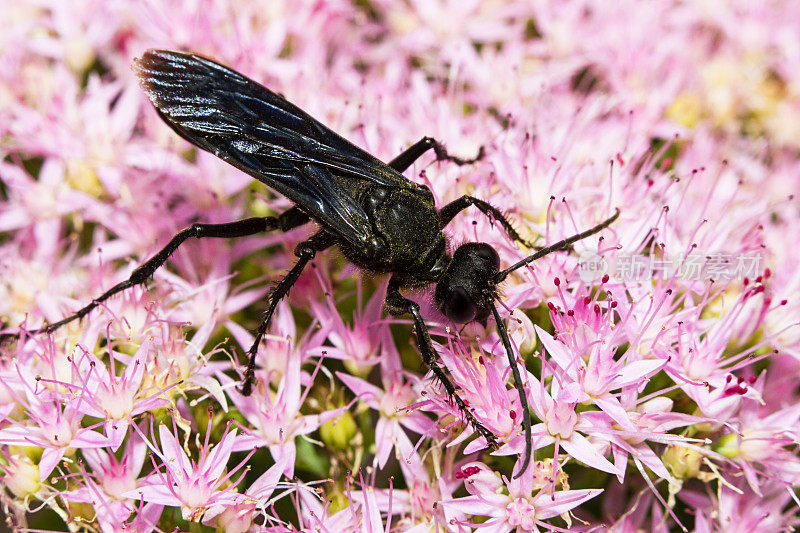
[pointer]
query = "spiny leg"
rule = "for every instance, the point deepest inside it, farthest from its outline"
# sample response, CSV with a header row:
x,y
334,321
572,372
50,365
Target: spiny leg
x,y
442,155
240,228
305,251
448,212
397,304
412,153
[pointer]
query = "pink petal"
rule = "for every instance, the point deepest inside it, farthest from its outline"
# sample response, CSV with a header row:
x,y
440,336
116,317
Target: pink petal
x,y
366,392
155,494
172,454
217,460
87,438
636,371
581,449
384,442
285,455
549,505
485,504
262,487
115,431
50,458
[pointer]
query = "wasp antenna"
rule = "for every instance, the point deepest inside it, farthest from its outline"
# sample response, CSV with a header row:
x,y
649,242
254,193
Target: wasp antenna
x,y
523,399
560,245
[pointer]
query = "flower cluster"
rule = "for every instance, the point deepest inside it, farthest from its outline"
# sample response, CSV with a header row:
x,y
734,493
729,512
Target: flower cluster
x,y
663,396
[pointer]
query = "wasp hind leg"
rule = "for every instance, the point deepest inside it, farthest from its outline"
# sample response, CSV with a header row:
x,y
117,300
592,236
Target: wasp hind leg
x,y
305,252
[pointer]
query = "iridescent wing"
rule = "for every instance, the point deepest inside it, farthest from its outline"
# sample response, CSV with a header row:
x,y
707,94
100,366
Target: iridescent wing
x,y
261,133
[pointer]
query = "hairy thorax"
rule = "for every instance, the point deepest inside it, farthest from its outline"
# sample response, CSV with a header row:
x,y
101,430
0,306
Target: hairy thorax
x,y
408,228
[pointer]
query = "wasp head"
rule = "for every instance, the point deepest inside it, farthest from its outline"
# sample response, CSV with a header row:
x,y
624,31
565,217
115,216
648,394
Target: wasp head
x,y
466,289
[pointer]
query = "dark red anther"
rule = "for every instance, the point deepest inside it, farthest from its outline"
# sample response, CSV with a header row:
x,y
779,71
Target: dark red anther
x,y
467,472
736,389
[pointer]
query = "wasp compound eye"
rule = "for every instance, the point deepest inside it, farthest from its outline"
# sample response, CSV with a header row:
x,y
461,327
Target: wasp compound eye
x,y
458,306
475,258
488,254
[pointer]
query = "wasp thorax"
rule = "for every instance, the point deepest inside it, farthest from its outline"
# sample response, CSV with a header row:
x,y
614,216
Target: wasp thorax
x,y
466,290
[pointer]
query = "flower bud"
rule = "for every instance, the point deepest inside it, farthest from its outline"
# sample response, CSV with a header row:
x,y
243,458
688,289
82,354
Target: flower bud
x,y
339,433
683,463
21,477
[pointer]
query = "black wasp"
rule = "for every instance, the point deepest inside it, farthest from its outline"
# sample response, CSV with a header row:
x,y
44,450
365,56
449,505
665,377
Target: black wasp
x,y
381,221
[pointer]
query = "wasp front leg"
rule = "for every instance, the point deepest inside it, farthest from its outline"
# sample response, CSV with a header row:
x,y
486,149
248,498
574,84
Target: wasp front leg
x,y
397,304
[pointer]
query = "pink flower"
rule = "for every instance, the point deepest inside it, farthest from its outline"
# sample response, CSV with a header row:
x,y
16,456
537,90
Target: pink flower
x,y
358,344
200,488
239,516
525,506
483,381
739,510
275,417
116,399
110,481
565,427
763,442
50,422
417,506
315,515
393,404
